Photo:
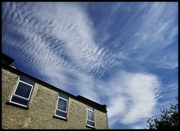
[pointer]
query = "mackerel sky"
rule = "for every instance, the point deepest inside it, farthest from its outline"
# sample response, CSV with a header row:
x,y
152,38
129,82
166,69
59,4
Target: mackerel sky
x,y
122,54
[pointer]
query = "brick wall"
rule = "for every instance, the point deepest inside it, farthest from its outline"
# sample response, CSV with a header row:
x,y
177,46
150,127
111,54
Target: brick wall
x,y
41,110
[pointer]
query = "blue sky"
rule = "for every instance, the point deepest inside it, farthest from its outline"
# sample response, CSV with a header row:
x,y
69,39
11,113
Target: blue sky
x,y
122,54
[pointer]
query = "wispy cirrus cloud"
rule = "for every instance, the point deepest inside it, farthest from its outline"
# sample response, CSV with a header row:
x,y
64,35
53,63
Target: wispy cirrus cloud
x,y
105,58
58,43
143,36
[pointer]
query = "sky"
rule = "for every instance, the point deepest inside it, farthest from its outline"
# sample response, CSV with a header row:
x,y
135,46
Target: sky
x,y
122,54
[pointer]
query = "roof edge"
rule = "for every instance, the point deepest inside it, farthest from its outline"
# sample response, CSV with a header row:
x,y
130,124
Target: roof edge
x,y
94,104
78,97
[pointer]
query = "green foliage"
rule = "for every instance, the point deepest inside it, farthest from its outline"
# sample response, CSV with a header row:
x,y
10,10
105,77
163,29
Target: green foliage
x,y
168,119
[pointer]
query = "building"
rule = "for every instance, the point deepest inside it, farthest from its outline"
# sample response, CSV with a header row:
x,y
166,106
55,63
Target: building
x,y
29,103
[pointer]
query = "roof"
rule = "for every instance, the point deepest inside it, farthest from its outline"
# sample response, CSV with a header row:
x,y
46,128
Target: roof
x,y
79,98
6,59
92,103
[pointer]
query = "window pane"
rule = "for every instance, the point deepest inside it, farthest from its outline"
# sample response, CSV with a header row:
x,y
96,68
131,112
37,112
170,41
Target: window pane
x,y
59,113
90,115
27,80
23,90
19,100
62,104
90,123
63,96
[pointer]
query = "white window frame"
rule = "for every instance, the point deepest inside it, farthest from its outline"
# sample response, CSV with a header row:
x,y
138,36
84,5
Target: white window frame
x,y
21,97
92,110
59,97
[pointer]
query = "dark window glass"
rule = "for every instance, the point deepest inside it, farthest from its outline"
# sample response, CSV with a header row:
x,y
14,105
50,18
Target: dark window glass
x,y
90,123
19,100
27,80
90,115
62,104
23,90
63,96
60,113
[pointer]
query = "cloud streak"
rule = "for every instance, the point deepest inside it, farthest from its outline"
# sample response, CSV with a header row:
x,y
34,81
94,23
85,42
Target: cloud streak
x,y
55,44
128,93
143,35
104,56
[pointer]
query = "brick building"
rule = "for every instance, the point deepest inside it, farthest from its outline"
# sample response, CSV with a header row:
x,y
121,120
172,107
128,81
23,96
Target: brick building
x,y
29,103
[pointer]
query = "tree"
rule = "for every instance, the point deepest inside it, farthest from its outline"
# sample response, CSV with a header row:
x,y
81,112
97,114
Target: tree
x,y
168,119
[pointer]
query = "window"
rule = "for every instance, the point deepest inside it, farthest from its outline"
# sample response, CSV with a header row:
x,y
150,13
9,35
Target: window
x,y
62,105
22,93
90,117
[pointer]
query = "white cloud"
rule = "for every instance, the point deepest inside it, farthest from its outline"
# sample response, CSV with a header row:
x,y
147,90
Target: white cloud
x,y
147,34
137,127
116,105
73,27
157,31
58,40
131,96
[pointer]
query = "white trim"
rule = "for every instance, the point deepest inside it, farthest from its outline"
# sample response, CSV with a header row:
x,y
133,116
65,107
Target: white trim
x,y
61,110
58,103
28,85
90,120
17,103
92,113
30,93
59,97
25,83
92,110
89,125
31,86
16,86
21,97
14,89
62,98
61,117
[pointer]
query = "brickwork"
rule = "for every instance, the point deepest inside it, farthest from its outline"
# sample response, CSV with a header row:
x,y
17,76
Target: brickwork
x,y
42,108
